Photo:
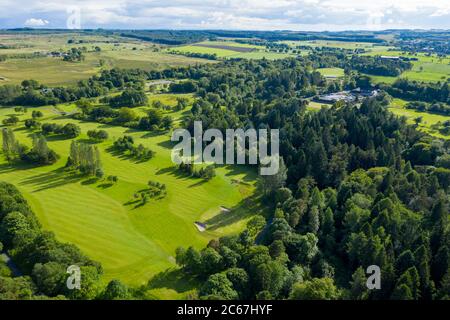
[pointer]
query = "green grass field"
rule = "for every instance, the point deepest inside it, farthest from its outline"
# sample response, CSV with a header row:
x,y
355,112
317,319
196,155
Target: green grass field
x,y
115,52
221,53
134,243
372,47
427,68
331,72
231,44
428,119
316,106
256,55
227,53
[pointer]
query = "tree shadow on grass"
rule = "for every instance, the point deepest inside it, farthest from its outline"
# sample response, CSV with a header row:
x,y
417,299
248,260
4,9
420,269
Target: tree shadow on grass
x,y
173,171
52,179
168,144
62,117
89,181
152,134
16,166
21,129
249,172
173,279
166,170
139,205
105,185
198,183
89,141
57,137
244,209
131,202
125,156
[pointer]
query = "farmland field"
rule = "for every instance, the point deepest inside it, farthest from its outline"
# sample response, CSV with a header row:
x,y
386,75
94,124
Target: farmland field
x,y
428,68
133,243
372,47
114,52
229,50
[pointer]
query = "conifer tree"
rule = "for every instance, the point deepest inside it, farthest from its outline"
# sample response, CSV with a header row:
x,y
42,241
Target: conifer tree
x,y
313,220
10,145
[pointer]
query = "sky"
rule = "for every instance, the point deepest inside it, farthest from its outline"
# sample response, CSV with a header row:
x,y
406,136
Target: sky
x,y
307,15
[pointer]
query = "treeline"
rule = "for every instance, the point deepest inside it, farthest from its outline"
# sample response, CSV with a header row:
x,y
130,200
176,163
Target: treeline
x,y
379,66
70,130
85,158
42,259
419,91
128,98
39,154
98,135
127,117
169,37
125,145
206,173
438,108
346,59
31,93
209,56
75,55
264,79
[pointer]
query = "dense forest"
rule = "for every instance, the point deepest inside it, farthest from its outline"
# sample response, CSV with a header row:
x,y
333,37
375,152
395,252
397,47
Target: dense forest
x,y
357,186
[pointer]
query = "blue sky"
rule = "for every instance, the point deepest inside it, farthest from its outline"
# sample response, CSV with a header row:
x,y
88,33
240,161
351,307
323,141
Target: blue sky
x,y
311,15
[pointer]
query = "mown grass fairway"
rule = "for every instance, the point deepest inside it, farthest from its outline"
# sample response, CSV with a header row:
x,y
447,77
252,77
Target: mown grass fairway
x,y
133,242
428,119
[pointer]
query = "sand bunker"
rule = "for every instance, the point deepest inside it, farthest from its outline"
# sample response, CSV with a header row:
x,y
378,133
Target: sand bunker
x,y
200,226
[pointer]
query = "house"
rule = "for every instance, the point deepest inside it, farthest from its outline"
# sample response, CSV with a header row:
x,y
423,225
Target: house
x,y
347,96
335,97
358,92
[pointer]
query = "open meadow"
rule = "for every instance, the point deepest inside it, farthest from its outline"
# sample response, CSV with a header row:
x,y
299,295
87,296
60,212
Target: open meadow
x,y
229,50
28,57
134,242
331,72
428,120
427,68
350,45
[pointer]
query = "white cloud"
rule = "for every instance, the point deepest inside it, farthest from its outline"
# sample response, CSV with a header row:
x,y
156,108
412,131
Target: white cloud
x,y
233,14
36,22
